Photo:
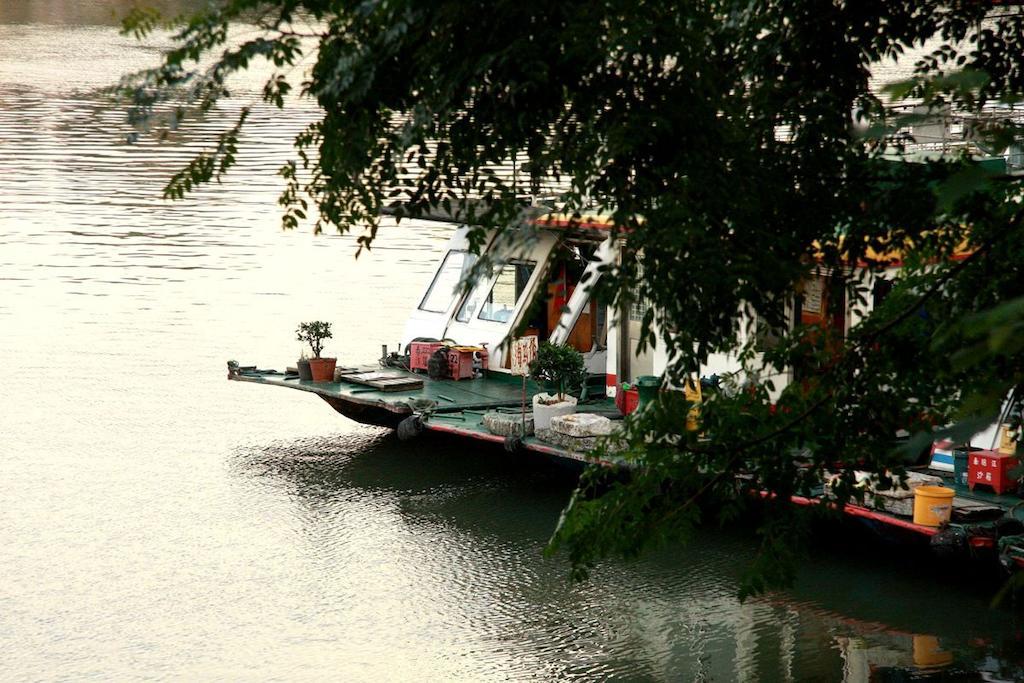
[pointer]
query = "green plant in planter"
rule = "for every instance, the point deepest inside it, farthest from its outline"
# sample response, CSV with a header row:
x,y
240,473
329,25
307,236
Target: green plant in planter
x,y
561,366
314,333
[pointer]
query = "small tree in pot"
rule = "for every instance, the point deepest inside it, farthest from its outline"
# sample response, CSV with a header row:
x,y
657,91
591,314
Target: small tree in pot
x,y
314,333
560,367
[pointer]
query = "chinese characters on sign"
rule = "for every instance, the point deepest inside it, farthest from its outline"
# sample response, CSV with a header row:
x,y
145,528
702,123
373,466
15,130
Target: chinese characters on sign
x,y
812,295
524,350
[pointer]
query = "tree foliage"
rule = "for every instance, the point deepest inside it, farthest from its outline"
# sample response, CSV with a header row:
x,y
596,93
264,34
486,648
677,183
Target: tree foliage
x,y
736,144
314,333
561,365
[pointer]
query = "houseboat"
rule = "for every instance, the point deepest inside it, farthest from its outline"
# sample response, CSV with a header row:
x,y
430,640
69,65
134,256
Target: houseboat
x,y
538,283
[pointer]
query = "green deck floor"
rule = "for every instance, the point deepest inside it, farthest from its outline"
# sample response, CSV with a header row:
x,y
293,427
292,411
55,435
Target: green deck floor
x,y
459,407
1006,501
470,423
495,390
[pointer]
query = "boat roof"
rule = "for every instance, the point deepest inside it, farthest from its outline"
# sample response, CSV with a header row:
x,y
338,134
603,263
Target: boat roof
x,y
574,221
598,226
894,254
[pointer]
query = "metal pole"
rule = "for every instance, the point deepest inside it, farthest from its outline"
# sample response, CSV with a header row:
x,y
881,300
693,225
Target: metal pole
x,y
523,435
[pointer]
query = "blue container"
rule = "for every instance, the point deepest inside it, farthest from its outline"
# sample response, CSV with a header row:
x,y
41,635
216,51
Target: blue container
x,y
960,458
648,387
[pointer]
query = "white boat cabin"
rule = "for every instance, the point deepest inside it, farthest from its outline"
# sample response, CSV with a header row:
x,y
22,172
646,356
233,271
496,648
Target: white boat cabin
x,y
533,285
542,286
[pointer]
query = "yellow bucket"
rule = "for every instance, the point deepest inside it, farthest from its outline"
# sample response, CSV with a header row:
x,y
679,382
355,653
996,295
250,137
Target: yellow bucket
x,y
928,653
933,505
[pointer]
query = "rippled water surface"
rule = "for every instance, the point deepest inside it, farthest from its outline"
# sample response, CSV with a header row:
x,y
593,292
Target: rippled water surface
x,y
157,521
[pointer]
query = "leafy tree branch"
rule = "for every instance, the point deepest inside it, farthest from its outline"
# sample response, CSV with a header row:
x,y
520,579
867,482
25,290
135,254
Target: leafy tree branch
x,y
740,148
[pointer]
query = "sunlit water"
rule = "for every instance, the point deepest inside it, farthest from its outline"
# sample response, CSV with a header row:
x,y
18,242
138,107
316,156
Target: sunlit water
x,y
157,521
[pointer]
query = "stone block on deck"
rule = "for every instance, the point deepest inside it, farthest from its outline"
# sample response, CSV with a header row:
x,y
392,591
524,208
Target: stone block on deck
x,y
578,433
574,444
581,425
507,424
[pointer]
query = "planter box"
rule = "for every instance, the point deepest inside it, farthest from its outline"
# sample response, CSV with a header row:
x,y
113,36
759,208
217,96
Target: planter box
x,y
542,412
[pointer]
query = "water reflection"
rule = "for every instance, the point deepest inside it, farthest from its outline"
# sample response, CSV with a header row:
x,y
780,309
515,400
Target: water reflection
x,y
160,522
473,524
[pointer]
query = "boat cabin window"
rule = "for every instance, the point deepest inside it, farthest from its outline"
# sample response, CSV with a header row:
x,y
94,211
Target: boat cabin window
x,y
499,303
442,290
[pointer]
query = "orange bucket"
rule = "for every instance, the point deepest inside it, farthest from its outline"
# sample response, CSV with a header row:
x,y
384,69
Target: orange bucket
x,y
933,505
928,653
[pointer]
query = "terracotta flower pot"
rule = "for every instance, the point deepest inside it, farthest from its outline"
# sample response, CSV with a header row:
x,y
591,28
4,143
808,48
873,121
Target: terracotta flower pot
x,y
323,369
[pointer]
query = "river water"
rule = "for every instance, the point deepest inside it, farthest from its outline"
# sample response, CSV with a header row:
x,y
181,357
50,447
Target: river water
x,y
159,522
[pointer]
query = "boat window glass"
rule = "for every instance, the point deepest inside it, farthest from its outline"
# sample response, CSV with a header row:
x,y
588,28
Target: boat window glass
x,y
443,289
498,303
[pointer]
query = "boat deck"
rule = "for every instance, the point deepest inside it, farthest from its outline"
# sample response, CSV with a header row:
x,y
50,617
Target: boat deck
x,y
469,423
458,407
495,390
978,508
446,406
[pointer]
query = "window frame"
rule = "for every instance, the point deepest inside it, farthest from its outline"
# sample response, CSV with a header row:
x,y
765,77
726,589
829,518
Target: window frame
x,y
454,296
493,282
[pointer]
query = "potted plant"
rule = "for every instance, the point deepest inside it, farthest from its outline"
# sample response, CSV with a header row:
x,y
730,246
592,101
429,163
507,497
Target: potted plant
x,y
561,368
303,366
314,333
